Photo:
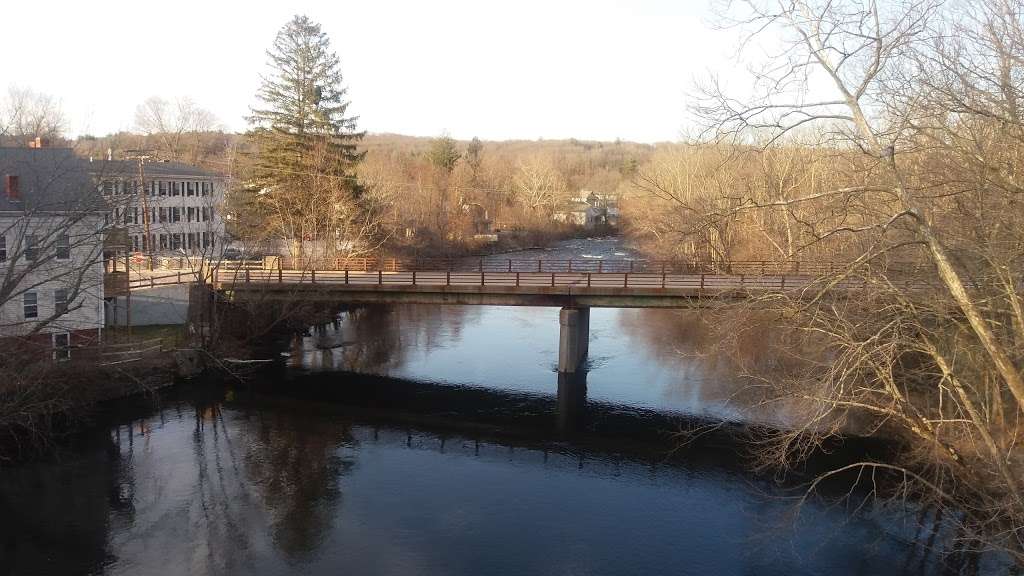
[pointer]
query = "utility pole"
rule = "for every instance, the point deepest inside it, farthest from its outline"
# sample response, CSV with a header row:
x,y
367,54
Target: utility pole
x,y
141,156
147,246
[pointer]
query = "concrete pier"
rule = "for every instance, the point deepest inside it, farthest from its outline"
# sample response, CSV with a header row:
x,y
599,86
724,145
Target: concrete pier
x,y
573,338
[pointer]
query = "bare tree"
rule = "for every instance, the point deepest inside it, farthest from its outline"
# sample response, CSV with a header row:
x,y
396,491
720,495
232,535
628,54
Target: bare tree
x,y
175,126
26,114
919,104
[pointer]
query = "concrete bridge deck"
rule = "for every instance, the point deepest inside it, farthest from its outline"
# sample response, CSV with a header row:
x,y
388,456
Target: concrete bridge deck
x,y
577,289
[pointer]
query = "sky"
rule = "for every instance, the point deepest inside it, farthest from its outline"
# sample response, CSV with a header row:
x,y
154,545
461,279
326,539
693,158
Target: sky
x,y
523,69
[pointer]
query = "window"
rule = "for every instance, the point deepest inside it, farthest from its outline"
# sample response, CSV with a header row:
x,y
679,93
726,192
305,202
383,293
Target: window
x,y
31,305
204,188
206,239
135,243
135,215
63,247
163,188
175,241
62,346
60,301
31,247
175,214
163,241
190,189
176,190
163,215
12,187
3,248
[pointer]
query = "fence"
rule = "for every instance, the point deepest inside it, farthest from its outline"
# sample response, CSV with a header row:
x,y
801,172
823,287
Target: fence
x,y
593,265
623,280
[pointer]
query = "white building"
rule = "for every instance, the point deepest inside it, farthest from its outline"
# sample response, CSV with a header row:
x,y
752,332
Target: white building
x,y
180,205
51,246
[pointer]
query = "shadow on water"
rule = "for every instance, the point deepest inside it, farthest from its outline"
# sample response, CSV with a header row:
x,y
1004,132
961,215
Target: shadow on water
x,y
316,473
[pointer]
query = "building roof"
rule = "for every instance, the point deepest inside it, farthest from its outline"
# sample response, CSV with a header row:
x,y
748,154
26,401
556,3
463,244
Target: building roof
x,y
49,179
130,169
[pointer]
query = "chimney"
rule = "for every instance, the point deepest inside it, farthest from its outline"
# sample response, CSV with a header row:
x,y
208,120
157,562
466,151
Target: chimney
x,y
12,187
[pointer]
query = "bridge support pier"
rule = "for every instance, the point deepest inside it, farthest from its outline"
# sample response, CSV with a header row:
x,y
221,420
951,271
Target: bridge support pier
x,y
573,338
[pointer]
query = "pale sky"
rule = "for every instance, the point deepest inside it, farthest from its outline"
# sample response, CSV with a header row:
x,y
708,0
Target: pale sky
x,y
593,69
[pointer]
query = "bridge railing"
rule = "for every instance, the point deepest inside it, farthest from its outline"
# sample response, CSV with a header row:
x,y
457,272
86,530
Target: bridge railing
x,y
592,265
450,278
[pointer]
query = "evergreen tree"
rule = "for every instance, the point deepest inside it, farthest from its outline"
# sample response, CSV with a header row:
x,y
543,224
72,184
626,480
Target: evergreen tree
x,y
303,169
444,153
473,154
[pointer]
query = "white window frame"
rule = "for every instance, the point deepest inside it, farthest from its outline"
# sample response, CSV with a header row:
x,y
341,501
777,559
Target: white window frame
x,y
57,304
63,247
61,353
26,306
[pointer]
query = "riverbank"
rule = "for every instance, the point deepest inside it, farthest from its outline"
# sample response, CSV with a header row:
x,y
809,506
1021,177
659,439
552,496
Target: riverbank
x,y
45,401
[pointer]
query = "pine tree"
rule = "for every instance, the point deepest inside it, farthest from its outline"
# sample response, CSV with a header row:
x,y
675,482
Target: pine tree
x,y
303,177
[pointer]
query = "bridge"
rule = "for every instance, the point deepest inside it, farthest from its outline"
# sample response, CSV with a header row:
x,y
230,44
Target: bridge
x,y
575,286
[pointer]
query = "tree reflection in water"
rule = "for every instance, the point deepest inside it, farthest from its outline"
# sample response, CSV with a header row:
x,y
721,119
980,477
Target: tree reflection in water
x,y
295,465
378,338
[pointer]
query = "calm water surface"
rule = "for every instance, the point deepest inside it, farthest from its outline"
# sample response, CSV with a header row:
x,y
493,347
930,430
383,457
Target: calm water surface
x,y
418,440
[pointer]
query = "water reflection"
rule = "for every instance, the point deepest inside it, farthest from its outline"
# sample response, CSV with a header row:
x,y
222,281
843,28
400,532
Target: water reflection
x,y
646,359
296,487
572,401
295,466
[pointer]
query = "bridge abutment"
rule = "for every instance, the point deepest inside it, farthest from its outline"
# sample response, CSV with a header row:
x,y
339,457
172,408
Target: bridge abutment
x,y
573,338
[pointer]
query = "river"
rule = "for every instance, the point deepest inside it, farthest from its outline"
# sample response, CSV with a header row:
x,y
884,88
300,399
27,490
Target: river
x,y
438,440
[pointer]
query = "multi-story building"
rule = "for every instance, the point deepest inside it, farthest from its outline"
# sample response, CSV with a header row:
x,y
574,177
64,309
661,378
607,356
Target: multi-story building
x,y
176,210
52,227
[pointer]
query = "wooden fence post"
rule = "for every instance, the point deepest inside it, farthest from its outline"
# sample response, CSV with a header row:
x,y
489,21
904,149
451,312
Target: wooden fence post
x,y
346,275
414,277
312,276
